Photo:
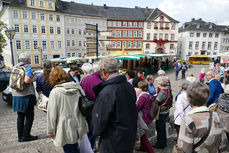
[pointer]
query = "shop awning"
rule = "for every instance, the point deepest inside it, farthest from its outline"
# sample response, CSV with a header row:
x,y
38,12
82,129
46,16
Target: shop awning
x,y
130,57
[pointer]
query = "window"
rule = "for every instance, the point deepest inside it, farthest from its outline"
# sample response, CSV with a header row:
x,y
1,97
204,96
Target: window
x,y
173,26
172,37
42,16
69,54
155,36
80,43
189,53
135,24
148,36
118,33
147,46
197,45
161,36
42,29
209,45
45,57
134,44
73,42
51,30
50,17
129,44
166,36
44,45
109,23
161,25
217,35
35,44
34,29
204,35
114,23
155,25
18,44
15,13
58,30
36,59
203,45
210,35
124,24
166,25
79,32
50,4
41,3
197,34
215,45
16,27
140,34
26,28
73,31
79,55
191,34
190,45
129,33
171,46
27,44
58,18
118,44
135,34
118,24
68,31
52,44
113,44
32,3
33,15
68,43
148,25
73,54
73,20
113,33
124,44
139,44
59,44
24,14
129,24
84,32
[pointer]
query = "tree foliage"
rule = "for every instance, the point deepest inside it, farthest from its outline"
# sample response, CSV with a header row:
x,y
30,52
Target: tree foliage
x,y
2,38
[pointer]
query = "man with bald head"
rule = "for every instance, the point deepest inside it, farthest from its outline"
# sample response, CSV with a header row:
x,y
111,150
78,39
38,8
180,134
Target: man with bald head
x,y
214,86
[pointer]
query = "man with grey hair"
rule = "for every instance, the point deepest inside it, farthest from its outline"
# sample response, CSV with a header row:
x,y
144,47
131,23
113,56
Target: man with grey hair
x,y
160,73
87,84
114,116
24,101
214,86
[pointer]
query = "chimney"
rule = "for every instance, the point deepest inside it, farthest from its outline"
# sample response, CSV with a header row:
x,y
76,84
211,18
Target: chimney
x,y
193,19
200,19
147,7
136,6
105,6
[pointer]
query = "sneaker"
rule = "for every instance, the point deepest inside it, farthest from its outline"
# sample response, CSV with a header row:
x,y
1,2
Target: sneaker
x,y
31,138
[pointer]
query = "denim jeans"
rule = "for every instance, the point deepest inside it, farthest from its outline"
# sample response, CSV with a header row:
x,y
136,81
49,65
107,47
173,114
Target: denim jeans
x,y
176,74
183,74
90,135
71,148
161,130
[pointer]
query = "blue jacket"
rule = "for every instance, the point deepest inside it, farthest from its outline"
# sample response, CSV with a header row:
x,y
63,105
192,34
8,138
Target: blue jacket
x,y
215,90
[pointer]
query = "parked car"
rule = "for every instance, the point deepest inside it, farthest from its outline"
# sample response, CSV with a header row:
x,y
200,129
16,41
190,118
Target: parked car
x,y
4,79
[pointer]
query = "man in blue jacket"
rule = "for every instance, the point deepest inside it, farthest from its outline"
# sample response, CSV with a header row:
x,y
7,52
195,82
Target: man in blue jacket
x,y
215,88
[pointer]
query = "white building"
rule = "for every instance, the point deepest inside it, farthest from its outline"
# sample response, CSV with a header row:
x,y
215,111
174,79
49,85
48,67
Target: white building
x,y
160,33
199,37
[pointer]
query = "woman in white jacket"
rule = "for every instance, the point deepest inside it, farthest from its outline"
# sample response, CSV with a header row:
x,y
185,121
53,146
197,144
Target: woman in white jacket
x,y
66,125
182,107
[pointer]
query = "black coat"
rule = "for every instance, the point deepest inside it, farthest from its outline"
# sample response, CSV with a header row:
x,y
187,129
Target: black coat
x,y
114,116
70,78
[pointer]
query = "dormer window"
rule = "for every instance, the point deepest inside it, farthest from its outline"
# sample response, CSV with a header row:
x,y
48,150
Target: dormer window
x,y
32,2
41,3
198,26
210,26
50,5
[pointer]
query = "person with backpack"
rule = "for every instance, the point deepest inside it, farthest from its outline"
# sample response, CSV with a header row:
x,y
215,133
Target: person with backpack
x,y
177,68
21,82
184,69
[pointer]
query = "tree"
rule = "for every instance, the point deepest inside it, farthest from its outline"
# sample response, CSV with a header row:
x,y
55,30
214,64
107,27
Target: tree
x,y
2,38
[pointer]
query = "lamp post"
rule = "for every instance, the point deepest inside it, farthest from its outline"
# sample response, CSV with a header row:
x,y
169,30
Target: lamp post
x,y
10,33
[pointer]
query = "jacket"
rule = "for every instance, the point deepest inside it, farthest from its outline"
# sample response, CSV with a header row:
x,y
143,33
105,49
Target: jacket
x,y
215,90
88,83
195,126
63,116
143,105
70,78
114,116
223,111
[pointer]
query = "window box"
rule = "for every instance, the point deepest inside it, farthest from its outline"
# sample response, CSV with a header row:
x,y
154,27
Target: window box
x,y
161,27
167,28
155,27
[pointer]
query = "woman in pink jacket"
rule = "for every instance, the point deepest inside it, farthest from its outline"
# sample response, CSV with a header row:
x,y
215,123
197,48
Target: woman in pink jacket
x,y
202,75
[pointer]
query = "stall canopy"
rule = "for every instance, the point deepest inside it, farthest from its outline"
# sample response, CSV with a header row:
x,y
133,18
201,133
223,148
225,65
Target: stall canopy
x,y
140,56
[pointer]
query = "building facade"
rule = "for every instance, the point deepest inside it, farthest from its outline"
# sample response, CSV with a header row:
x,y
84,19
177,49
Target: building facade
x,y
160,33
199,37
39,30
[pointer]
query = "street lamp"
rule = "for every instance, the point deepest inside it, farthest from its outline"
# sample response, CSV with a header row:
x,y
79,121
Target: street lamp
x,y
10,34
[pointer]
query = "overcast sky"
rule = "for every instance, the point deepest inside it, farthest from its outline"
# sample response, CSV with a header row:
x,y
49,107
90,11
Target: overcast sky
x,y
216,11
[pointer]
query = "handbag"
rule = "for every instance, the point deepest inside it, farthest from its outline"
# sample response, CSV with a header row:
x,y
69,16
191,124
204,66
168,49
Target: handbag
x,y
141,127
85,105
42,102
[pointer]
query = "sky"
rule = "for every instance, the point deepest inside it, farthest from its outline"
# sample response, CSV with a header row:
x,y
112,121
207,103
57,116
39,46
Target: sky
x,y
216,11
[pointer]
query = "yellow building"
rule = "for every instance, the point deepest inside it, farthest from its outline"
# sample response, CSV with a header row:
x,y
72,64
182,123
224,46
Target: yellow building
x,y
39,29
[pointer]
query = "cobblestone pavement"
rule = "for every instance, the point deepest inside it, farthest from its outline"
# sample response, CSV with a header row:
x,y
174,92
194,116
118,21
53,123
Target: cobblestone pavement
x,y
8,131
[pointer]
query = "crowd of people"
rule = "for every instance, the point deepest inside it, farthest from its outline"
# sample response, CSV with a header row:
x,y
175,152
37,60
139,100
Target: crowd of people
x,y
123,108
